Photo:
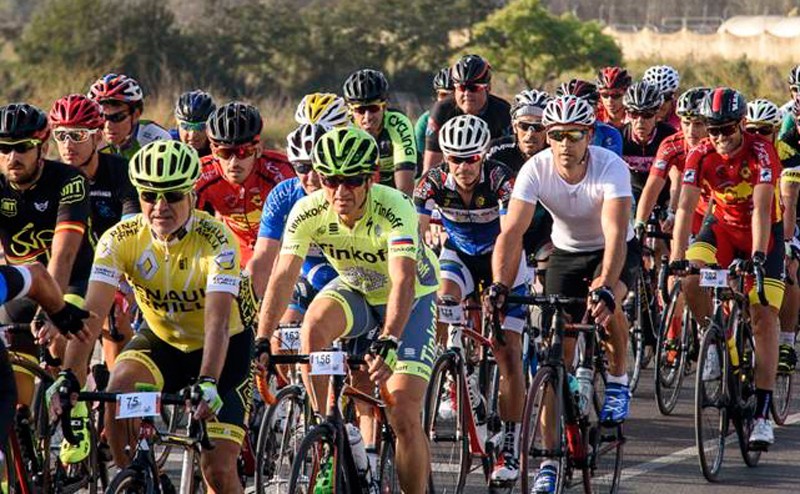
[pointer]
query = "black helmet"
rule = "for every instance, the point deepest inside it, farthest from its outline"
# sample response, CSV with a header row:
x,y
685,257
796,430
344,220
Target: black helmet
x,y
472,69
443,80
691,101
643,96
234,123
723,105
23,121
194,106
580,88
366,85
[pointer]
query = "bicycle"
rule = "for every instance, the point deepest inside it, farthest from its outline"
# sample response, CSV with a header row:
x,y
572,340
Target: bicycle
x,y
782,395
556,413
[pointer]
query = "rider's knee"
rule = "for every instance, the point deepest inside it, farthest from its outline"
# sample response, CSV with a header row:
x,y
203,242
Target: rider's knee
x,y
765,319
126,375
406,421
219,469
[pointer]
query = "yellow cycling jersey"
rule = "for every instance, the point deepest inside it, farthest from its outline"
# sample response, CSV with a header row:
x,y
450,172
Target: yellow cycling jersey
x,y
170,280
388,229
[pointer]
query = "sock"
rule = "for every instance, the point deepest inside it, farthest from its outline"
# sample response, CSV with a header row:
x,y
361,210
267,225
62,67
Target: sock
x,y
763,397
621,380
786,338
549,463
511,438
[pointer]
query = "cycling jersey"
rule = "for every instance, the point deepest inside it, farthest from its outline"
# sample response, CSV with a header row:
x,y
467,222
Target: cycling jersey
x,y
58,201
731,179
388,229
496,114
170,280
176,136
239,205
788,147
603,116
639,157
145,132
788,117
273,222
15,282
607,136
396,146
111,194
471,228
419,131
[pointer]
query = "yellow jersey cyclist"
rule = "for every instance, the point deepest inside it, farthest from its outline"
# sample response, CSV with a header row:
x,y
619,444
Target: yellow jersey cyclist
x,y
366,93
387,279
122,101
322,108
183,266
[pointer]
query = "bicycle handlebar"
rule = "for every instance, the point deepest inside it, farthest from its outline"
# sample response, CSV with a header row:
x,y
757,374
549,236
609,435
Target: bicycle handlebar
x,y
736,268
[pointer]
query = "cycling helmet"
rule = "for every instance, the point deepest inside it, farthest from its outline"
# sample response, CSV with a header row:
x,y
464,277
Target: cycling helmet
x,y
345,151
235,123
76,111
300,142
116,87
472,69
794,76
464,135
529,102
722,105
443,80
580,88
763,111
323,108
365,85
643,96
664,77
163,166
689,102
568,110
19,121
194,106
613,78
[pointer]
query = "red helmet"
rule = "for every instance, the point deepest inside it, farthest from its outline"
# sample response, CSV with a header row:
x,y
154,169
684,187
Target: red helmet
x,y
613,78
116,87
76,110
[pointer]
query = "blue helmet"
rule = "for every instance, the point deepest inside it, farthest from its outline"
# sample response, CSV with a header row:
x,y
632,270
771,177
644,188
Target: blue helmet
x,y
194,106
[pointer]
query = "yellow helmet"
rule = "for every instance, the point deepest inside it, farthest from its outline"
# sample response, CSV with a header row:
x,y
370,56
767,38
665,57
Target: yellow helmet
x,y
322,108
163,166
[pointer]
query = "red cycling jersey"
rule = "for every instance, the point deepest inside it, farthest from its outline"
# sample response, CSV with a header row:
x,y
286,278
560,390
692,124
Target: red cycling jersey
x,y
239,205
731,179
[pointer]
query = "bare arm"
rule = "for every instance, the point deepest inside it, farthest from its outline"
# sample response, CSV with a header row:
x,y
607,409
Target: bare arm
x,y
44,289
217,315
650,194
99,299
674,188
614,219
66,245
690,196
279,291
789,194
261,264
402,274
508,248
763,202
404,181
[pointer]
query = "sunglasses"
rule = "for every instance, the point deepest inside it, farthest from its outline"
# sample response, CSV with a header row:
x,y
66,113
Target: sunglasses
x,y
243,151
642,114
722,130
73,135
373,108
612,94
192,125
471,87
571,135
116,117
526,126
171,196
18,147
764,130
302,168
349,182
468,160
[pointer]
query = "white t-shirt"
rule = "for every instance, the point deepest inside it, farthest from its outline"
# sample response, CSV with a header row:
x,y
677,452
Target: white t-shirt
x,y
576,208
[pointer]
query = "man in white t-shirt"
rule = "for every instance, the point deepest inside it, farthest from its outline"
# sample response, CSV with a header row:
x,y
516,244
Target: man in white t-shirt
x,y
587,190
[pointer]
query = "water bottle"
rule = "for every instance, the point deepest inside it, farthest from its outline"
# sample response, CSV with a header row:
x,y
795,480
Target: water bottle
x,y
574,388
585,379
359,452
478,406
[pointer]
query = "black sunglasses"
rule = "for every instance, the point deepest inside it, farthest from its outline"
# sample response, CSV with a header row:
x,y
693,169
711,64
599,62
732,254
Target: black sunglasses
x,y
116,117
171,196
534,126
722,130
764,130
18,147
349,182
302,168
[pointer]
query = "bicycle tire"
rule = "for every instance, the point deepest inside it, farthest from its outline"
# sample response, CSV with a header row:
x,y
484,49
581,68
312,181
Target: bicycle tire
x,y
782,397
272,443
668,377
39,422
744,420
387,470
16,474
711,432
605,444
636,338
131,480
83,476
447,367
320,444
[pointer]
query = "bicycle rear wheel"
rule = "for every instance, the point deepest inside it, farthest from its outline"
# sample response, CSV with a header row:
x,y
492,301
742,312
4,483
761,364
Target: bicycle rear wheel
x,y
636,336
316,464
781,397
711,402
605,443
670,359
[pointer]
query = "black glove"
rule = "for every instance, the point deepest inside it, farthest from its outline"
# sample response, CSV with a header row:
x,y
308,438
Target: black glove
x,y
69,319
639,229
496,295
606,295
385,347
759,259
680,266
263,347
69,382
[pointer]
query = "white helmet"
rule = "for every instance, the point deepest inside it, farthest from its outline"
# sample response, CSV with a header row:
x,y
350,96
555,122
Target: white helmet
x,y
568,110
322,108
463,136
300,142
763,111
664,77
529,102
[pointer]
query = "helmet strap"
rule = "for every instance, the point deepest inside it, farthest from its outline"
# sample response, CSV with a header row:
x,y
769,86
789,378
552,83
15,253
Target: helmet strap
x,y
85,165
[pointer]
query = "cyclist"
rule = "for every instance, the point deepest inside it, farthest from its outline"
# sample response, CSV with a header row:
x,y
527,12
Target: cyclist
x,y
786,110
239,173
741,170
763,117
587,189
612,82
366,92
472,77
605,135
184,268
191,114
122,105
317,272
472,193
387,278
667,80
443,87
322,108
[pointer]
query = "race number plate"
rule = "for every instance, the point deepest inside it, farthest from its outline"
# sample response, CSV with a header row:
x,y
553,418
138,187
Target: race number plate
x,y
328,364
713,278
290,338
138,405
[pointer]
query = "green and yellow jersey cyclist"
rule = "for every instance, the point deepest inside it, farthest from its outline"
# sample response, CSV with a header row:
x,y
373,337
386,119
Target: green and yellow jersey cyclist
x,y
122,99
366,92
183,266
387,278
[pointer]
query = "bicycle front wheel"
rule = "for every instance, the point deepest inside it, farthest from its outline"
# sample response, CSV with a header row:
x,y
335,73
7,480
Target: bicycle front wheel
x,y
131,481
711,402
605,443
746,395
387,470
670,359
781,397
315,466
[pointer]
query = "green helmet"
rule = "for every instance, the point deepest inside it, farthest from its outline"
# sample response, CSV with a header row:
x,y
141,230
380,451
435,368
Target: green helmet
x,y
346,151
163,166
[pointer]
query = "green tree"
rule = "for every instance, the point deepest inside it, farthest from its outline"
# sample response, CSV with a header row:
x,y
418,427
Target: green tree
x,y
527,42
